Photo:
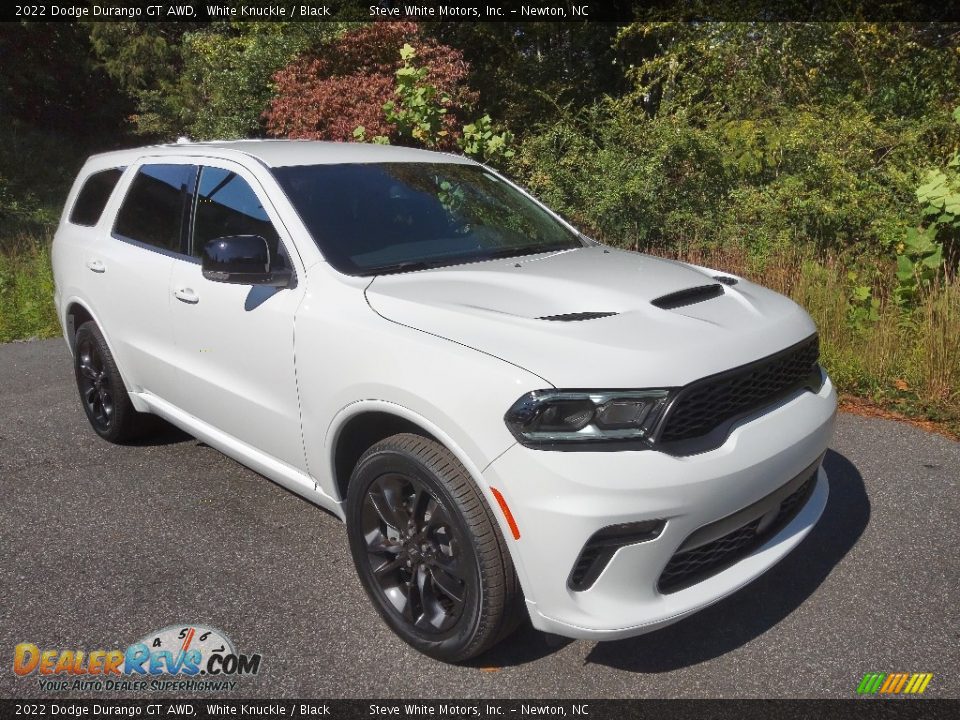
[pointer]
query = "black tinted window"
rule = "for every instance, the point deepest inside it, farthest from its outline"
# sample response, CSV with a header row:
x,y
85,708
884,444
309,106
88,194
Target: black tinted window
x,y
227,205
394,217
156,205
93,196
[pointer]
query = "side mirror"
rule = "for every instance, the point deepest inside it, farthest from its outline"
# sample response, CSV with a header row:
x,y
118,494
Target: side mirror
x,y
242,260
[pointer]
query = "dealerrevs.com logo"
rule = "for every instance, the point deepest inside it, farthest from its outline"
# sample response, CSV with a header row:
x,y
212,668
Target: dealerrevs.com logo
x,y
178,658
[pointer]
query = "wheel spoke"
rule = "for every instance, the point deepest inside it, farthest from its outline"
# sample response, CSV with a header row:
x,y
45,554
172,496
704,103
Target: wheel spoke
x,y
413,610
449,584
388,506
88,372
431,615
380,545
422,499
438,516
387,566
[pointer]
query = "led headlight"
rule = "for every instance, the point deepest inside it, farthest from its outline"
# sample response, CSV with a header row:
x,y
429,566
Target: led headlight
x,y
548,417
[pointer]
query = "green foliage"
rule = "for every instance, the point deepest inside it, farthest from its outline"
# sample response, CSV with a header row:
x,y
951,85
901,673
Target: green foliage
x,y
528,72
417,116
417,113
230,74
743,70
26,292
204,81
919,263
924,255
864,308
773,135
481,142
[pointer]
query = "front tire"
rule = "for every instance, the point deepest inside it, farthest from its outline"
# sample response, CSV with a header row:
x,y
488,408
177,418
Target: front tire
x,y
428,551
102,393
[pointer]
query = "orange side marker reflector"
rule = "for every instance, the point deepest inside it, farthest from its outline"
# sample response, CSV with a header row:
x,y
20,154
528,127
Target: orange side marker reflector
x,y
506,513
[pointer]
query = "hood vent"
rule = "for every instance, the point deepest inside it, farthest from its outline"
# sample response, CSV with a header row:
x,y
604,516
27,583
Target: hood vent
x,y
576,317
725,279
690,296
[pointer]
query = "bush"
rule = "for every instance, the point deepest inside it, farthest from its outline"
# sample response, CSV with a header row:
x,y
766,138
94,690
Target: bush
x,y
834,177
327,95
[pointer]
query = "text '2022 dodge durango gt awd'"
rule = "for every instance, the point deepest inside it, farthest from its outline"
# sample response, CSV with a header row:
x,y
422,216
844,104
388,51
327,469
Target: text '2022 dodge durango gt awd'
x,y
510,417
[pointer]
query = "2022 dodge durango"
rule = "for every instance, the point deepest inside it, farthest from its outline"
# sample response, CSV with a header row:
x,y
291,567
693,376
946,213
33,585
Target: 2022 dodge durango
x,y
511,418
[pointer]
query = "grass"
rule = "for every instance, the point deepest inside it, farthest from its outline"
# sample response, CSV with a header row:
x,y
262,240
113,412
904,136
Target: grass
x,y
907,362
26,291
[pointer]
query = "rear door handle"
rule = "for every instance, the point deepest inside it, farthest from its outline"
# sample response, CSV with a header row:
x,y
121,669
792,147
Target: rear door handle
x,y
97,266
186,295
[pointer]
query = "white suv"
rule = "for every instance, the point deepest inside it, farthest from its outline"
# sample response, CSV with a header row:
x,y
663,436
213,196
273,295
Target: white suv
x,y
502,410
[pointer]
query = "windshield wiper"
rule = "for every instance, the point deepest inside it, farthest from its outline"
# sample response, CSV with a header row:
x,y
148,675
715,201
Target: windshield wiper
x,y
402,267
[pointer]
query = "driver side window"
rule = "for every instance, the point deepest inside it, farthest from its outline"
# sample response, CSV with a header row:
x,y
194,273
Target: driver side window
x,y
227,205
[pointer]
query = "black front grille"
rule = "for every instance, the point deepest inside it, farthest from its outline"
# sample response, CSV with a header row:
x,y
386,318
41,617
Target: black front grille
x,y
706,404
689,567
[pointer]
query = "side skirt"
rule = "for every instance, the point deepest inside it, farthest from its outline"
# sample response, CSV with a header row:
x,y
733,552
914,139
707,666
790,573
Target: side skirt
x,y
280,472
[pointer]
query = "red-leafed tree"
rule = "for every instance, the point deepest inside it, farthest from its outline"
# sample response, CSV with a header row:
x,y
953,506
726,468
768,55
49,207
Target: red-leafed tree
x,y
327,95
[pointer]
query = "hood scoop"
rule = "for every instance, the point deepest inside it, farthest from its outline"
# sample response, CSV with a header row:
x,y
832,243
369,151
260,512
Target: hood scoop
x,y
690,296
576,317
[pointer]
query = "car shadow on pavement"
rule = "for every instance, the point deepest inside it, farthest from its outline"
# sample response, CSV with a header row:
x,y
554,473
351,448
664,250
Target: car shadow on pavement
x,y
161,433
739,618
763,603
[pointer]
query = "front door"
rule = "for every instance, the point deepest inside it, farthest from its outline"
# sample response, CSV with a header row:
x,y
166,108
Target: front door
x,y
234,343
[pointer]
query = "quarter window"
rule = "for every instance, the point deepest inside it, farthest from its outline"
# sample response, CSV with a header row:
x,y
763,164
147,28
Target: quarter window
x,y
156,207
227,205
93,196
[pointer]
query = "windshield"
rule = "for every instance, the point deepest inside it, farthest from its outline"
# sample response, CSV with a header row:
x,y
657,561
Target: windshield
x,y
393,217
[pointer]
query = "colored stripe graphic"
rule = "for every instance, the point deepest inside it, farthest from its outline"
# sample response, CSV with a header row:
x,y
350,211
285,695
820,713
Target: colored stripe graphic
x,y
870,683
894,683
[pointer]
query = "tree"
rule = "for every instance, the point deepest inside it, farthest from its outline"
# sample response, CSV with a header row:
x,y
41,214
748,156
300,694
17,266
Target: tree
x,y
327,94
526,73
202,80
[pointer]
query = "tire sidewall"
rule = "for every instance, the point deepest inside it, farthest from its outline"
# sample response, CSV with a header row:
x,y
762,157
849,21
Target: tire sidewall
x,y
451,644
88,332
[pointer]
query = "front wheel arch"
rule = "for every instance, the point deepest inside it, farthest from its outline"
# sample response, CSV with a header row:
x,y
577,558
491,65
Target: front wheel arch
x,y
361,432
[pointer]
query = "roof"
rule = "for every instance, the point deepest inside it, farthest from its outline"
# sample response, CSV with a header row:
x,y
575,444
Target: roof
x,y
280,153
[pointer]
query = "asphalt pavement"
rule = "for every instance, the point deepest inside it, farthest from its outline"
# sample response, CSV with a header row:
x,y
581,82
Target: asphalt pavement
x,y
101,544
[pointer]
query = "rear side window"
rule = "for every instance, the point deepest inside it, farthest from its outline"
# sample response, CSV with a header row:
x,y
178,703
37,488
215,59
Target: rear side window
x,y
157,205
93,196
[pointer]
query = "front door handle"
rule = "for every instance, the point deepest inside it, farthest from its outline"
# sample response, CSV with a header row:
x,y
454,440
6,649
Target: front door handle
x,y
186,295
97,266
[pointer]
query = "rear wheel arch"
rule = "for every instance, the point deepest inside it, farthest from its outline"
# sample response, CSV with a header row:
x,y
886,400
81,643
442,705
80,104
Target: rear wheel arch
x,y
76,315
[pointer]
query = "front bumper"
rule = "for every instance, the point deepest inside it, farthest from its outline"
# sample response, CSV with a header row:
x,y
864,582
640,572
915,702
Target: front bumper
x,y
560,499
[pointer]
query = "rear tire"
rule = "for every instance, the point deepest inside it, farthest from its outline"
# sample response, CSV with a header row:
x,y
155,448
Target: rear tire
x,y
428,550
102,393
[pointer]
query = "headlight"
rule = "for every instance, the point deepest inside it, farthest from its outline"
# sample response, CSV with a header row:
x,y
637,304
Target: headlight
x,y
548,417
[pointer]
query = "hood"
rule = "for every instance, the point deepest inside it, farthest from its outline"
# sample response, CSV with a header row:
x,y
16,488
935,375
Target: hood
x,y
655,335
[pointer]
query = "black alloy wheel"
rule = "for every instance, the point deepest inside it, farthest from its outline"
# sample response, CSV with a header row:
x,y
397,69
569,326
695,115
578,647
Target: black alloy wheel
x,y
414,551
428,549
94,384
102,393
